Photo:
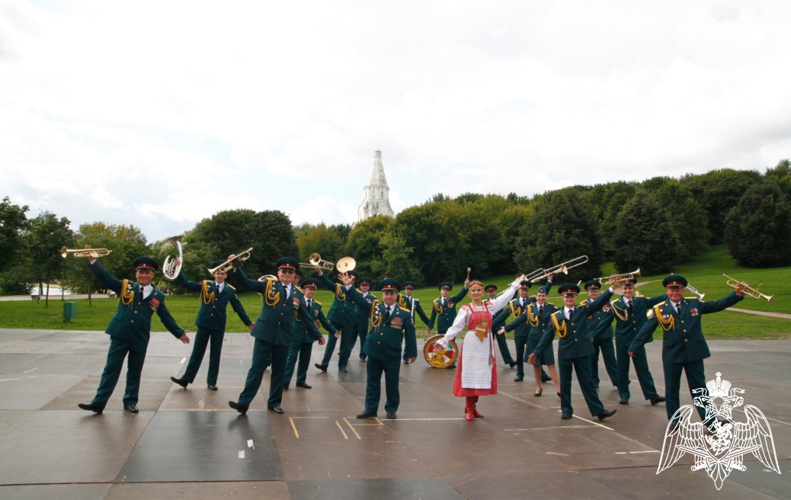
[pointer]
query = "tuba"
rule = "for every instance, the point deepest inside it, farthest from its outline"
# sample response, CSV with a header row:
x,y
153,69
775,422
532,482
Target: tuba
x,y
172,265
89,253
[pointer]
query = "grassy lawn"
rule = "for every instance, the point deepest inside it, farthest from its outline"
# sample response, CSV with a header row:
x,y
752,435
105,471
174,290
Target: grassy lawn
x,y
705,274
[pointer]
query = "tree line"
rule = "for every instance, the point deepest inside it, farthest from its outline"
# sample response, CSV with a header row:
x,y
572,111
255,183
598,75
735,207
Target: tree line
x,y
654,225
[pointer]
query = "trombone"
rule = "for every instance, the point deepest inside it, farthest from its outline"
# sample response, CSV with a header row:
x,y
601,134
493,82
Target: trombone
x,y
316,260
695,291
90,253
537,274
172,265
616,279
747,289
564,267
228,264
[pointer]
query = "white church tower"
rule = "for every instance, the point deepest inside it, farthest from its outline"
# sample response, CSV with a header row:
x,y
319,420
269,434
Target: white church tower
x,y
376,200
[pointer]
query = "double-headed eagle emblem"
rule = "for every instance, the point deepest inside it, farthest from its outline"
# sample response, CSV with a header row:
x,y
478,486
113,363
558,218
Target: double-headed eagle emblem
x,y
718,443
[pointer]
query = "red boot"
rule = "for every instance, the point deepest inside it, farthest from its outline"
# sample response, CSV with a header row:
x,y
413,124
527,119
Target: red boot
x,y
469,409
474,408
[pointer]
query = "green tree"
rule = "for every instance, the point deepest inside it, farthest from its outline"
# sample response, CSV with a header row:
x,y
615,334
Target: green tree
x,y
645,238
562,228
717,192
758,228
321,239
781,175
46,235
398,256
13,223
607,201
366,246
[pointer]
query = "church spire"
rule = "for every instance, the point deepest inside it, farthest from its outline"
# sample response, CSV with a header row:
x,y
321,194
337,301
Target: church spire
x,y
376,200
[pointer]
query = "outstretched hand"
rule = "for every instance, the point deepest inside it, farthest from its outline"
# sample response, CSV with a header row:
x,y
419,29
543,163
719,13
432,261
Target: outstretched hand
x,y
501,330
184,337
346,278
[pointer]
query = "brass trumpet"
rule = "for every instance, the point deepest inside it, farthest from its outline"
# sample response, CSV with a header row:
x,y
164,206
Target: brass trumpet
x,y
170,269
90,253
564,267
228,264
695,291
617,279
747,289
316,260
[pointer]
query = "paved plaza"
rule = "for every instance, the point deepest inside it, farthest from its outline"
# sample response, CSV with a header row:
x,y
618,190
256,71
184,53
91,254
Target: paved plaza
x,y
190,444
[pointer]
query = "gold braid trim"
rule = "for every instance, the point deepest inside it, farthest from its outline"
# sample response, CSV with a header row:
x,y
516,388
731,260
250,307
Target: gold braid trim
x,y
437,307
516,311
127,294
622,314
532,319
376,315
207,297
667,324
271,297
340,293
562,330
401,301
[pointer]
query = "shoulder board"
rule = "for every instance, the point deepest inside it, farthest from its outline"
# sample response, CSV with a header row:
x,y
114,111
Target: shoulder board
x,y
613,301
557,312
358,290
436,301
230,286
271,278
405,309
415,300
583,302
298,288
207,281
317,302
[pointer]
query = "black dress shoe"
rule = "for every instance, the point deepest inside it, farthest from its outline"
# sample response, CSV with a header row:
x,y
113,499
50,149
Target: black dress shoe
x,y
275,409
367,414
212,387
304,385
180,381
546,379
519,378
91,407
539,393
659,399
605,414
131,408
596,385
363,358
236,406
320,367
391,415
285,386
343,370
566,416
512,364
623,401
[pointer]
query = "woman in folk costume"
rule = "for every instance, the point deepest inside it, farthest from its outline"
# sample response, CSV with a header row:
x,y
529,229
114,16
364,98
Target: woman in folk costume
x,y
477,371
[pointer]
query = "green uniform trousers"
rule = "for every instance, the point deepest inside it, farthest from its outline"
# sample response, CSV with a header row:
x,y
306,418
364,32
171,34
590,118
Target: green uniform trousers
x,y
119,349
204,337
373,389
263,353
583,368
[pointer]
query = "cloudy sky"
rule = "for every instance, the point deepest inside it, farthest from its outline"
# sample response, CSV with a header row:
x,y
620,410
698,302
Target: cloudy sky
x,y
161,113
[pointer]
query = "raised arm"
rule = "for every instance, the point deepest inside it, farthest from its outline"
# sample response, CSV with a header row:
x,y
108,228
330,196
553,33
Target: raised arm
x,y
242,278
104,277
186,283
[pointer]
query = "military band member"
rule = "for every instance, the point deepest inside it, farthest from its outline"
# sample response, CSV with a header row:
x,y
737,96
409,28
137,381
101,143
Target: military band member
x,y
516,307
502,341
444,308
341,314
630,316
130,330
301,343
360,326
215,297
574,349
683,346
282,302
389,325
600,328
406,301
537,317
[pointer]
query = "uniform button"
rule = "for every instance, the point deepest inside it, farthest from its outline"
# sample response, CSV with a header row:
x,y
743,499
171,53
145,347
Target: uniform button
x,y
212,314
135,312
685,331
133,321
378,342
381,334
686,340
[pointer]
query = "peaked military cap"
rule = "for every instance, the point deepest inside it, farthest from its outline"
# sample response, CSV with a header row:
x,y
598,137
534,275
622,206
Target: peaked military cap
x,y
390,284
216,263
146,263
364,280
592,283
526,284
674,280
310,282
541,290
568,288
447,284
298,272
354,273
629,281
289,262
490,287
410,283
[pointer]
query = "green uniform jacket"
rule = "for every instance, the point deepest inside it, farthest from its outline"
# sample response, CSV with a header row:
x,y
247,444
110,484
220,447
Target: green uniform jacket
x,y
384,340
132,319
683,338
627,324
575,342
408,302
275,324
445,313
342,310
600,322
498,321
300,334
543,319
515,307
212,315
360,316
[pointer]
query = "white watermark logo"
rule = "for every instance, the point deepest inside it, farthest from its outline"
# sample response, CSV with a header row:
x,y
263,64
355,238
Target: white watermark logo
x,y
719,442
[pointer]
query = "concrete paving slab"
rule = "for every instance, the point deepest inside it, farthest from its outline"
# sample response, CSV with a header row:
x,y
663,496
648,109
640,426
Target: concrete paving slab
x,y
55,492
384,489
247,490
